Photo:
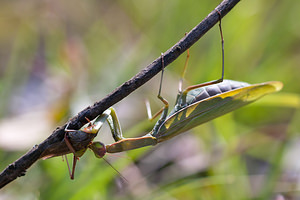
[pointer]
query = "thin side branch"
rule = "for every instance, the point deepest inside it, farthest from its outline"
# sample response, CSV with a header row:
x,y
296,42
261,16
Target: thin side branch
x,y
19,167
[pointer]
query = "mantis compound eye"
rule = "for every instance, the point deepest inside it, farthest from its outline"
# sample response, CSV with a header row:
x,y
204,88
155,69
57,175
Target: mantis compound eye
x,y
98,148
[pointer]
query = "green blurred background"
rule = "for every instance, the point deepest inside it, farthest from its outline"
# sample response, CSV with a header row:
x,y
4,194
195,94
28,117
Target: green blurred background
x,y
58,57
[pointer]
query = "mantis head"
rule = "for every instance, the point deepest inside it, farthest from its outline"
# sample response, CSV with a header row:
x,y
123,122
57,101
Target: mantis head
x,y
98,148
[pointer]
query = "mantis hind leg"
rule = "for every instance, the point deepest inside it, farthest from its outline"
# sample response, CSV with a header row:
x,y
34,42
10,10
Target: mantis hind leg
x,y
182,94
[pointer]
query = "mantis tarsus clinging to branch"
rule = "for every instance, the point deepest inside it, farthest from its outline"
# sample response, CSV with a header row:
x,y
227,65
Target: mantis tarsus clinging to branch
x,y
195,105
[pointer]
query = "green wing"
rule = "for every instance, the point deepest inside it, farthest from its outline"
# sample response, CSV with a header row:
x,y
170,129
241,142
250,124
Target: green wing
x,y
213,107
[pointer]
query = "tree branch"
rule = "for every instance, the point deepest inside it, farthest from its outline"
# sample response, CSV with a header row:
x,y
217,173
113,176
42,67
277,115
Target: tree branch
x,y
56,142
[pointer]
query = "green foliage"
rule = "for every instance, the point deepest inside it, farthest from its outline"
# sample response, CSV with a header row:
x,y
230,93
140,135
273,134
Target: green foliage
x,y
58,57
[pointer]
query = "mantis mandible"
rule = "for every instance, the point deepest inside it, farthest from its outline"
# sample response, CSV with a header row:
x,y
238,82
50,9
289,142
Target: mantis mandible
x,y
195,105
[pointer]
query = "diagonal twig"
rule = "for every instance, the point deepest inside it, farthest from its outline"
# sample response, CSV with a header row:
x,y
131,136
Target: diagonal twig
x,y
56,139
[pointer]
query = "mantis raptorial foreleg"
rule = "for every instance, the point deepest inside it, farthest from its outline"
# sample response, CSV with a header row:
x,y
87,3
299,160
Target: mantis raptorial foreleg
x,y
114,125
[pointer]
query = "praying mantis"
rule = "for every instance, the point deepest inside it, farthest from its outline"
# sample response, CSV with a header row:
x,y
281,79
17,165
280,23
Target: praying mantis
x,y
195,105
